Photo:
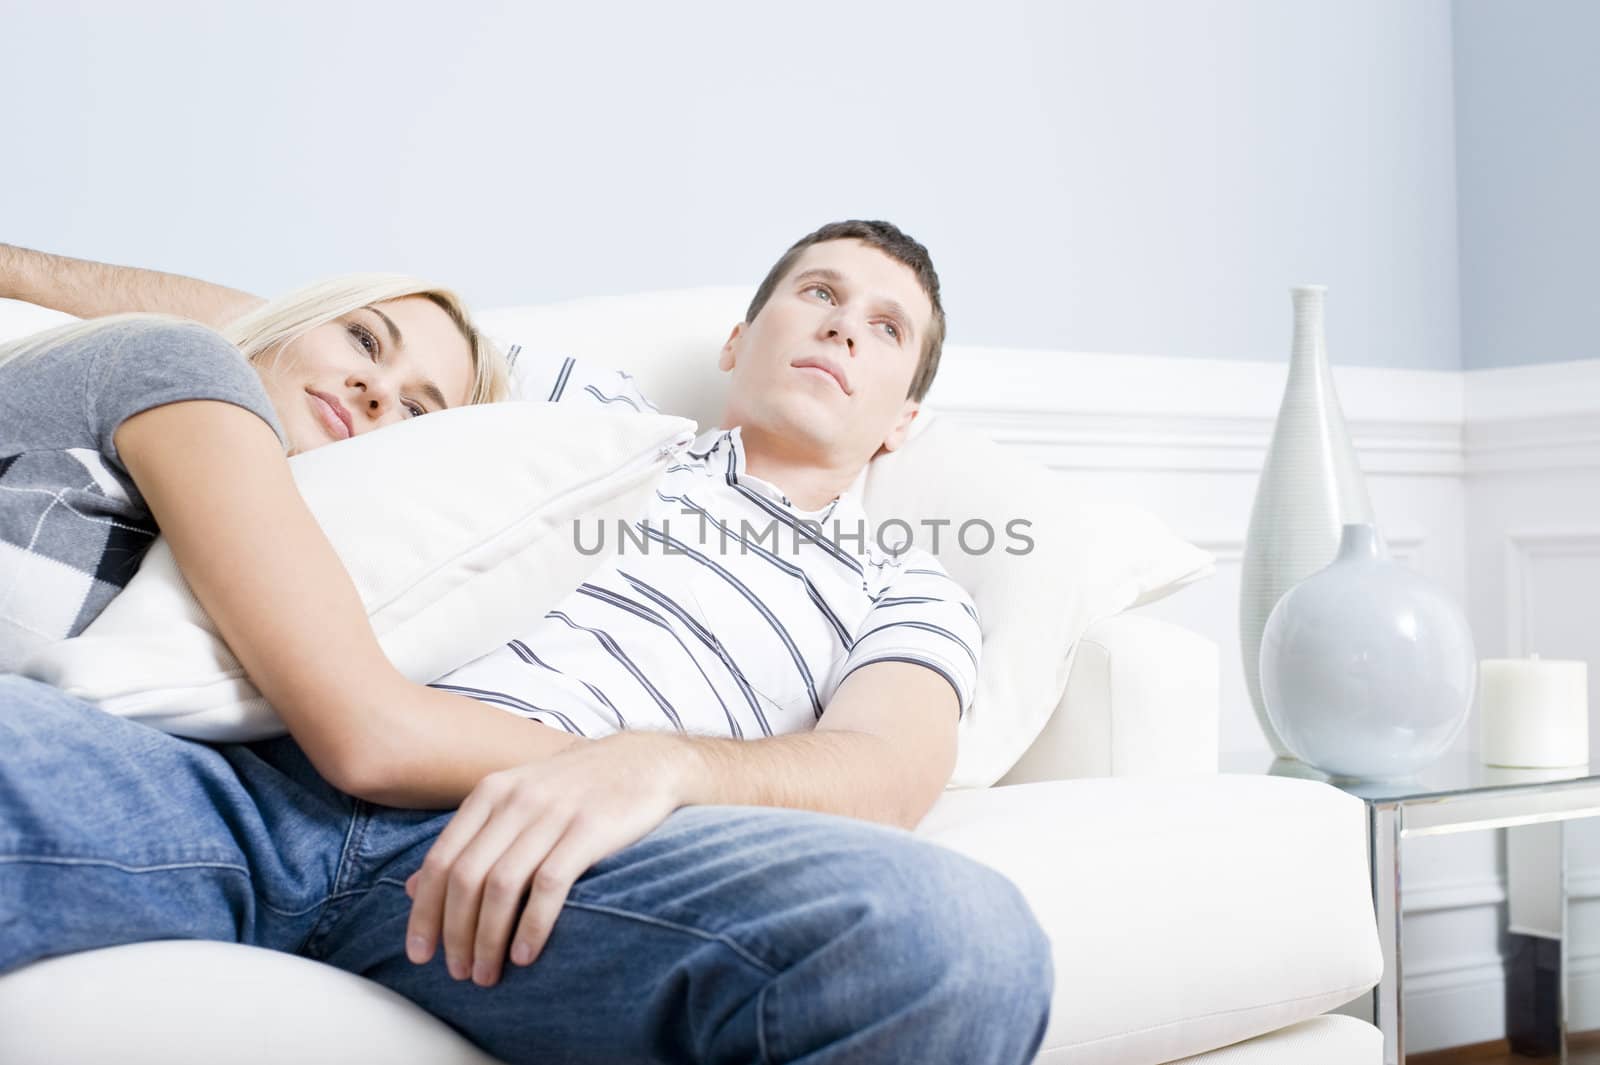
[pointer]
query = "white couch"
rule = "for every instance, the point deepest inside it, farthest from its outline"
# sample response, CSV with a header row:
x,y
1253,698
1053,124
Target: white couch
x,y
1195,917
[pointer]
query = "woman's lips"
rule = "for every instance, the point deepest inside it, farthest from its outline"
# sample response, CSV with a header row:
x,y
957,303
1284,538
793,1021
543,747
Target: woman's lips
x,y
332,418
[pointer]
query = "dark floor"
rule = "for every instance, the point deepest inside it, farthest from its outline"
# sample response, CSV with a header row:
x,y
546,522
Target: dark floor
x,y
1583,1048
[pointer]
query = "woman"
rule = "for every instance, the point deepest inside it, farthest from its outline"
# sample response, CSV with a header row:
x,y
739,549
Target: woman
x,y
114,428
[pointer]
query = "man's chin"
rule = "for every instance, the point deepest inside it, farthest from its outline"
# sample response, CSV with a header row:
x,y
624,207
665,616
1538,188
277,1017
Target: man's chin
x,y
799,423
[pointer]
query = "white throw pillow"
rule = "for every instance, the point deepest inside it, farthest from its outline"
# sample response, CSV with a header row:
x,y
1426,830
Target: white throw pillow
x,y
1087,561
486,543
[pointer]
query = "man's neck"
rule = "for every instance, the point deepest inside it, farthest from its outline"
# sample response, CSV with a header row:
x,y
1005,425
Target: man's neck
x,y
808,485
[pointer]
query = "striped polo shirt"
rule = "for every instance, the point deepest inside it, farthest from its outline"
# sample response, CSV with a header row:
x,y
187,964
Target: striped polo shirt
x,y
727,611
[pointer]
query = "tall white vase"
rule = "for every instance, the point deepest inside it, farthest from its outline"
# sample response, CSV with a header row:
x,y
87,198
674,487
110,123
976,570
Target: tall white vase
x,y
1311,487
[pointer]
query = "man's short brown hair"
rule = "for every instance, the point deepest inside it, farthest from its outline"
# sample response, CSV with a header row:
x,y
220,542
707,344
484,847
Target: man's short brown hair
x,y
887,238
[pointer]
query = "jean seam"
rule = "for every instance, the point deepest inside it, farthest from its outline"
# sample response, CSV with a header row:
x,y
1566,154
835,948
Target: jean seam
x,y
645,918
345,873
354,835
761,1027
165,867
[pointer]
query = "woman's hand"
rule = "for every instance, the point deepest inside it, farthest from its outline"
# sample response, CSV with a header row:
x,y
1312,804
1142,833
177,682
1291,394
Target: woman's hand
x,y
536,829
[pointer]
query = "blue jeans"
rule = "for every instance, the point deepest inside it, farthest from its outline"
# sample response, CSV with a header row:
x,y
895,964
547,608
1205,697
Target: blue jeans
x,y
728,934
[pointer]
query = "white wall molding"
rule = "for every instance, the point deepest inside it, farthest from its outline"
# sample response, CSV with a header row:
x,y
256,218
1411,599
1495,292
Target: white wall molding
x,y
1529,393
1523,419
1203,443
1523,550
1096,412
1464,1003
1439,896
1534,444
1409,548
1116,411
1161,385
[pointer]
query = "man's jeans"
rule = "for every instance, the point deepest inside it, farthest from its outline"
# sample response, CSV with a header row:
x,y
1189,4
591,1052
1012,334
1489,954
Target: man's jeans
x,y
728,934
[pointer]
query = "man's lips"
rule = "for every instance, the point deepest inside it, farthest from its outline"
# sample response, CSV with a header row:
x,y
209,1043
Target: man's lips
x,y
332,415
826,367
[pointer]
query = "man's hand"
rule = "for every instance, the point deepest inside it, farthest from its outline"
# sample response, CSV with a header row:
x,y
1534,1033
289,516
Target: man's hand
x,y
534,830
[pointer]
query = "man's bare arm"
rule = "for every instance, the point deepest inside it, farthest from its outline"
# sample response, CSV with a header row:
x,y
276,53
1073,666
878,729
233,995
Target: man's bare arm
x,y
883,751
89,289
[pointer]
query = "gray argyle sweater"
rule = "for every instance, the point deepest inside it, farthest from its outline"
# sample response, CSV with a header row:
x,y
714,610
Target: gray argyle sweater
x,y
73,526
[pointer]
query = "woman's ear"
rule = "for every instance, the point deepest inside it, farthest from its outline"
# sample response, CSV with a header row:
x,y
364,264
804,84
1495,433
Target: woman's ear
x,y
729,353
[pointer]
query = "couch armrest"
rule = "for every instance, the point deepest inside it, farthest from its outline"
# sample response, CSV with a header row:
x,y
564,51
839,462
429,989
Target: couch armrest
x,y
1142,697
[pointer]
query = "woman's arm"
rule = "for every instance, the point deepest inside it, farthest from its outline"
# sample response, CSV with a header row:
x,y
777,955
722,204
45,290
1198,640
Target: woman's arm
x,y
214,477
92,290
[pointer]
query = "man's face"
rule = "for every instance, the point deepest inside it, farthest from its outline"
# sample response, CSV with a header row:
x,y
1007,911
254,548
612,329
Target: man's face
x,y
830,357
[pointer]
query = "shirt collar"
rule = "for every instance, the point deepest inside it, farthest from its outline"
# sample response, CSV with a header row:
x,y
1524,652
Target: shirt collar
x,y
727,458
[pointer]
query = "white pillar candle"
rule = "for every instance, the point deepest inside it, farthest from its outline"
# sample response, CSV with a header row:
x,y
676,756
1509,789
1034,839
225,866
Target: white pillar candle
x,y
1533,712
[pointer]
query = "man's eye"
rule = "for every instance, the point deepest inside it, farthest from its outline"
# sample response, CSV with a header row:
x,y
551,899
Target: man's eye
x,y
892,329
827,293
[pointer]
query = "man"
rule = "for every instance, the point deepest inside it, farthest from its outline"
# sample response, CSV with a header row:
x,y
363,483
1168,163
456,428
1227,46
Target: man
x,y
753,921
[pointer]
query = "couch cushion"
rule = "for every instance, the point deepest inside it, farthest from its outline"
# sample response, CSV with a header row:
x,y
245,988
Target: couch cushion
x,y
188,1002
250,1006
1186,912
1332,1039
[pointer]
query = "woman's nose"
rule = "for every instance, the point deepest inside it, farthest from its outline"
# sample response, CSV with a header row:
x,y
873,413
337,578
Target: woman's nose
x,y
376,397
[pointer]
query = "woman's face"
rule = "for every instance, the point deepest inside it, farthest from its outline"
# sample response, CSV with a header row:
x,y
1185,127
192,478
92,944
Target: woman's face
x,y
370,368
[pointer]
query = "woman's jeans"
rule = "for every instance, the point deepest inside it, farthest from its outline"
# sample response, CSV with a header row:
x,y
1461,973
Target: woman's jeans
x,y
728,934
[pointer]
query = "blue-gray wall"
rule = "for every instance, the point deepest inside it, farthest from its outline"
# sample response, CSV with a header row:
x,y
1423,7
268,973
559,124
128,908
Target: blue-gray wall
x,y
1528,169
1132,176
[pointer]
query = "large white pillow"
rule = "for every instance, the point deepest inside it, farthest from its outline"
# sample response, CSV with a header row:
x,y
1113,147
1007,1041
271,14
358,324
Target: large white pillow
x,y
488,543
1088,560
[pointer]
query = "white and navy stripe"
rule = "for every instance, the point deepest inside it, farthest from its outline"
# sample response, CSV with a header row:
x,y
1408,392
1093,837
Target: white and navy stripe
x,y
751,639
537,376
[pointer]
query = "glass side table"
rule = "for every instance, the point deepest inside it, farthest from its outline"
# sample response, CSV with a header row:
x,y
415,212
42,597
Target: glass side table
x,y
1460,794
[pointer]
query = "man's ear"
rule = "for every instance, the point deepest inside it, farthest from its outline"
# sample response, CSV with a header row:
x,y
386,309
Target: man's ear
x,y
726,360
896,437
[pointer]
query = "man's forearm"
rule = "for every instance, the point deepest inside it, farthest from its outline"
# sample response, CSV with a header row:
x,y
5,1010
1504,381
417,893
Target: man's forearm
x,y
89,289
831,771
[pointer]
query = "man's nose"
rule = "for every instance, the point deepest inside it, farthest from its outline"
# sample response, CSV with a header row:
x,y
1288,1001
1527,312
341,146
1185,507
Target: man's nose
x,y
839,330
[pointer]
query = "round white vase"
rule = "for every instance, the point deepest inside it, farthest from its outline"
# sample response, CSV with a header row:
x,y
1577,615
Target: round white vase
x,y
1367,668
1311,486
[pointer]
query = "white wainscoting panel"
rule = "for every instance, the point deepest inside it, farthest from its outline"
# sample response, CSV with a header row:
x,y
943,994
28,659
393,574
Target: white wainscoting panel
x,y
1486,482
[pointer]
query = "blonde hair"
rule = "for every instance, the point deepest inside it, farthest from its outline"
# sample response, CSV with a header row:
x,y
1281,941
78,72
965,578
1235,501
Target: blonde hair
x,y
264,332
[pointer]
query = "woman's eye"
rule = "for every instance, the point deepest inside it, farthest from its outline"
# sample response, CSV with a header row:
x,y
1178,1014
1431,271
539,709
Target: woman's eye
x,y
416,409
368,342
892,329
